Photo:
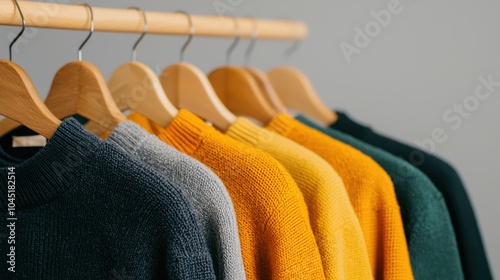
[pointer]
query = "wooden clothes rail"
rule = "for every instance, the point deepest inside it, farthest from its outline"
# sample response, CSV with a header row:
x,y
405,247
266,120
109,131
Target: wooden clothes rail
x,y
76,17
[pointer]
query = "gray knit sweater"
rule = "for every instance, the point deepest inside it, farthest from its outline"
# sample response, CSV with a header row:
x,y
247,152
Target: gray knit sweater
x,y
87,210
206,193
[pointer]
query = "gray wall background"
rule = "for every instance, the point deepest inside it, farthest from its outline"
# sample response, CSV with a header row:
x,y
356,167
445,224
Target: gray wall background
x,y
427,59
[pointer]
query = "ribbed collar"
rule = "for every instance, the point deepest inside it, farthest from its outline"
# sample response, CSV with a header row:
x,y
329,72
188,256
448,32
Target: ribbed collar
x,y
54,169
247,132
129,136
346,124
186,132
282,124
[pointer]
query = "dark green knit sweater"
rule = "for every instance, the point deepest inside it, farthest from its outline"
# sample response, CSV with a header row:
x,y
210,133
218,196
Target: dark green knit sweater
x,y
447,181
429,233
86,210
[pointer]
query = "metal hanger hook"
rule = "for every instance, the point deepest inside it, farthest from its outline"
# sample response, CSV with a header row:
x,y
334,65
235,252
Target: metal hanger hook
x,y
20,33
144,32
91,29
253,40
293,48
190,36
236,39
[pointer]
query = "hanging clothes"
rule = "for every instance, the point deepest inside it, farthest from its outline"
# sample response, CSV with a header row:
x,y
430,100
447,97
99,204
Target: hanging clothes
x,y
429,233
206,193
87,210
446,179
334,223
371,193
277,241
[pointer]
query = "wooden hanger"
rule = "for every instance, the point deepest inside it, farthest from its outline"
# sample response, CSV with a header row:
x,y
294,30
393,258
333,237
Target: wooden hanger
x,y
21,104
188,87
265,86
19,100
238,90
267,89
240,93
296,92
135,86
79,88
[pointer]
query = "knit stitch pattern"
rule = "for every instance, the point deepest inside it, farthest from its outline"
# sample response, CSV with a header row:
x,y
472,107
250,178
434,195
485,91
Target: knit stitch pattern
x,y
277,241
371,193
86,210
447,181
334,223
206,193
429,232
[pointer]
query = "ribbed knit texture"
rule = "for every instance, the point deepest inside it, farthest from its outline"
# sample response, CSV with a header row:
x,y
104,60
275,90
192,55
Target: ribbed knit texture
x,y
86,210
206,193
277,241
334,223
448,182
371,193
430,236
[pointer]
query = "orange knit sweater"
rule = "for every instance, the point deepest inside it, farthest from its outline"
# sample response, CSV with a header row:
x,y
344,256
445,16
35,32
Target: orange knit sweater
x,y
371,193
277,241
334,223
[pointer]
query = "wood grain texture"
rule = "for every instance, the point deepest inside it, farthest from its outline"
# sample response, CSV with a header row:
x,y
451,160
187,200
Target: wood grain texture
x,y
79,88
297,92
76,17
188,87
267,89
20,103
239,92
134,86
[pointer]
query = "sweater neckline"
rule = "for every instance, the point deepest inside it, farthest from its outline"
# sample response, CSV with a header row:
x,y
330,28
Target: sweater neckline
x,y
186,132
52,170
345,123
247,132
129,136
282,123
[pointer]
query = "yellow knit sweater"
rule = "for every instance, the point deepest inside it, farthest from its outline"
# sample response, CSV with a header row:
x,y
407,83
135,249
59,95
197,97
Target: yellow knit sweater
x,y
334,223
277,241
371,193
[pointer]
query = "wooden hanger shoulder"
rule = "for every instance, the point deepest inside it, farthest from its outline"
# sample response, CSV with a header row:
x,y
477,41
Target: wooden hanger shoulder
x,y
188,87
296,92
136,87
267,89
20,102
79,88
240,93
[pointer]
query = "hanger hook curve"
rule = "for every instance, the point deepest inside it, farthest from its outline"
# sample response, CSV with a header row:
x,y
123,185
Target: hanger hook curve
x,y
293,48
190,36
236,39
20,33
91,29
253,41
144,32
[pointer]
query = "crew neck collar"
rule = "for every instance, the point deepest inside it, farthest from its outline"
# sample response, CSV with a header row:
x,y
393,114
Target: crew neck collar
x,y
345,123
52,170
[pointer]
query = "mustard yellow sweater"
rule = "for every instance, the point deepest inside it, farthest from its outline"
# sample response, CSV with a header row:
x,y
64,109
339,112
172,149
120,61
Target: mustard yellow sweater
x,y
371,193
277,241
